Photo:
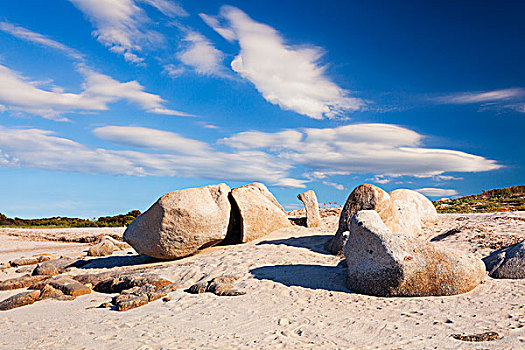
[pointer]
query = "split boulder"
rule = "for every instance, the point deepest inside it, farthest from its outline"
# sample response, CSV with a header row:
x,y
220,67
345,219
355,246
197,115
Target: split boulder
x,y
258,210
381,263
182,222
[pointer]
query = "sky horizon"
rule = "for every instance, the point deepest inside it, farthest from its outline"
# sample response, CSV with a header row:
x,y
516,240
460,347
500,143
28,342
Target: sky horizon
x,y
105,105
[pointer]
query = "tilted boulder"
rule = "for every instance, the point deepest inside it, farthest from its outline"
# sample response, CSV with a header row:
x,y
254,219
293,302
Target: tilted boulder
x,y
259,211
309,199
182,222
384,264
414,210
18,300
364,197
508,262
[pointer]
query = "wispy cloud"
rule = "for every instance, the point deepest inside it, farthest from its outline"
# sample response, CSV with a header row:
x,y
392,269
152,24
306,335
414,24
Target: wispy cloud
x,y
437,192
21,94
28,35
289,76
482,96
124,27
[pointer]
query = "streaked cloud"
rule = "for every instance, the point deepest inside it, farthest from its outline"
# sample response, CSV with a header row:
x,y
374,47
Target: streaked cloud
x,y
291,77
378,149
22,94
482,96
436,192
37,38
41,149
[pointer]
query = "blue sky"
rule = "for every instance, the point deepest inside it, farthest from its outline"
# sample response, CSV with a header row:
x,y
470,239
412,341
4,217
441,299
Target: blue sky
x,y
105,105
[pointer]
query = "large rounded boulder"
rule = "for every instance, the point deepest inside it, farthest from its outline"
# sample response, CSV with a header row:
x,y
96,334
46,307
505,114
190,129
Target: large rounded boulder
x,y
381,263
258,210
414,210
182,222
364,197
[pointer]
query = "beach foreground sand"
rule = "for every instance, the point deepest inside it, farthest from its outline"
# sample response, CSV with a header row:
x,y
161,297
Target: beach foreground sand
x,y
295,297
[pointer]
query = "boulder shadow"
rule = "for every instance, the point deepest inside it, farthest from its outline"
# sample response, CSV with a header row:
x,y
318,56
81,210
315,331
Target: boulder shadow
x,y
315,243
118,261
332,278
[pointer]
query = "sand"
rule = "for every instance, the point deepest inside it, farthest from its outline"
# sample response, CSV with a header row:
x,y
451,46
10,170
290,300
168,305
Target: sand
x,y
295,298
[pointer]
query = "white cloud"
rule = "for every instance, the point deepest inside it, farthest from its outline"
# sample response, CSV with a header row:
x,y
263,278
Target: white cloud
x,y
483,96
436,192
288,76
40,149
379,149
201,55
335,185
123,26
22,94
26,34
151,139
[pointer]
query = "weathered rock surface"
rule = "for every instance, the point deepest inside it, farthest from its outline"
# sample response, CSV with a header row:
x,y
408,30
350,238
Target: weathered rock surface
x,y
131,302
309,199
18,300
384,264
21,282
121,283
29,261
507,263
50,292
221,286
414,210
182,222
364,197
259,211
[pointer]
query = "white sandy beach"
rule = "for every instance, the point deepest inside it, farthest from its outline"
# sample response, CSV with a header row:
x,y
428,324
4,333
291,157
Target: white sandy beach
x,y
295,298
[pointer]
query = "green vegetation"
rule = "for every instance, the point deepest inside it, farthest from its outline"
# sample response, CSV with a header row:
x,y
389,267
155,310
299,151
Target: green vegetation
x,y
496,200
103,221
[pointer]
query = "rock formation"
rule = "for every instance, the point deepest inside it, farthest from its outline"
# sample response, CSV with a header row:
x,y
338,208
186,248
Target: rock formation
x,y
364,197
309,199
414,210
384,264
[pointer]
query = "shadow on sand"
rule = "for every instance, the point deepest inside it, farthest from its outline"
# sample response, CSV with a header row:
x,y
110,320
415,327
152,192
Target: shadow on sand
x,y
330,278
118,261
315,243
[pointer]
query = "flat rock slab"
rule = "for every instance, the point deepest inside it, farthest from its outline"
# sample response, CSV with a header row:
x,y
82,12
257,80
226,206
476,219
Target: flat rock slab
x,y
21,282
259,213
220,286
383,264
18,300
53,267
69,286
507,263
29,261
182,222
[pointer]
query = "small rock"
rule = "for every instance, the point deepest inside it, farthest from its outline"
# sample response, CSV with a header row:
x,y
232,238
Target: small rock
x,y
49,292
104,247
221,286
487,336
309,199
131,303
53,267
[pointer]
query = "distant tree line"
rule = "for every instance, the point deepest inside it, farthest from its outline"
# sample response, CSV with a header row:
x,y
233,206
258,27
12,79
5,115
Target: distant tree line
x,y
58,221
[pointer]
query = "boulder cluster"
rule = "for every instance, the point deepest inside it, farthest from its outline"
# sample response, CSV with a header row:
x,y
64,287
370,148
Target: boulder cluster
x,y
377,235
182,222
